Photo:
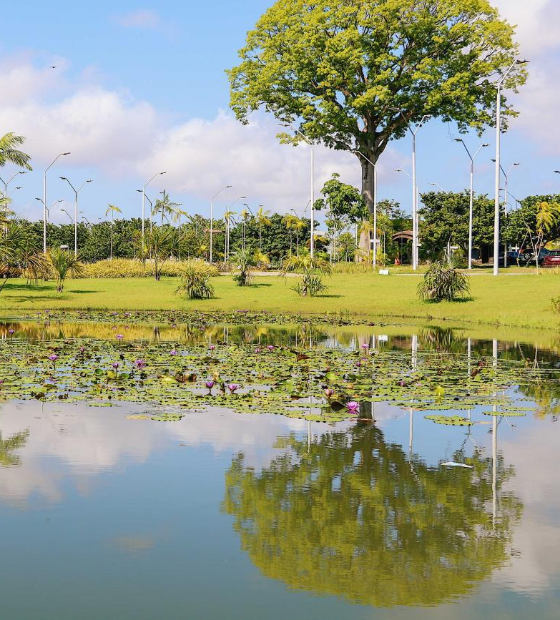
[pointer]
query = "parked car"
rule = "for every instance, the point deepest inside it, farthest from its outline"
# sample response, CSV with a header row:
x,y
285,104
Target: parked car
x,y
552,259
514,258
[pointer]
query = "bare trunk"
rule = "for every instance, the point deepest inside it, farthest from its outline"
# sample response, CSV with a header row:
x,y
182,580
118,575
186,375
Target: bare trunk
x,y
368,192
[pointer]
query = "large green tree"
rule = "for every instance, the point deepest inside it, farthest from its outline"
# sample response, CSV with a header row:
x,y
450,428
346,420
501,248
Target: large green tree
x,y
445,219
353,74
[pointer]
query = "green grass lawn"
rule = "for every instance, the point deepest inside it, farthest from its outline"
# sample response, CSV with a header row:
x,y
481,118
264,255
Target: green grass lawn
x,y
517,301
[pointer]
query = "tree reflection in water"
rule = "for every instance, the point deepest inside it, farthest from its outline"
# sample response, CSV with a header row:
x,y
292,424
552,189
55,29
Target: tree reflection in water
x,y
350,515
8,447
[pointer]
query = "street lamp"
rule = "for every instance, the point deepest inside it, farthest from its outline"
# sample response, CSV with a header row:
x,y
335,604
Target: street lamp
x,y
212,219
414,132
151,206
375,240
306,139
6,183
76,192
438,186
144,206
45,199
506,177
46,214
498,155
227,219
471,195
68,214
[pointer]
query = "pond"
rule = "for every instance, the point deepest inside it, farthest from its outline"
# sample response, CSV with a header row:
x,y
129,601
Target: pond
x,y
137,491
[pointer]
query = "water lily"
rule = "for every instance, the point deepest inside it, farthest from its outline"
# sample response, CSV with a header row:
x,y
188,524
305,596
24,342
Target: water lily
x,y
53,357
11,332
365,345
232,387
271,347
173,352
82,349
115,365
353,407
119,336
329,393
140,363
211,347
257,350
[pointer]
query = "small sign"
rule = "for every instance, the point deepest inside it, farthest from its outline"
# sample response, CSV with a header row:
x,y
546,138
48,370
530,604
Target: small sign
x,y
383,272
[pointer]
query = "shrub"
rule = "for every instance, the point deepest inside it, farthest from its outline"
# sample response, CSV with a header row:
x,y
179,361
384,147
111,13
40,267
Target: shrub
x,y
63,263
243,262
195,282
133,268
311,270
442,283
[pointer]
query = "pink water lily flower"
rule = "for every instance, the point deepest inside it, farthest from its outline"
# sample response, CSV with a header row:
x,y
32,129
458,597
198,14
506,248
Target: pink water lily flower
x,y
140,363
232,387
53,357
329,393
174,352
119,336
115,365
209,384
353,407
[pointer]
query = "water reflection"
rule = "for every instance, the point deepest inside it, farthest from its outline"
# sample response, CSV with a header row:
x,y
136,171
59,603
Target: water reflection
x,y
353,515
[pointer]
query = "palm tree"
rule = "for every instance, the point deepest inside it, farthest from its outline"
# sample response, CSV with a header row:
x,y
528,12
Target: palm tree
x,y
244,217
64,263
290,222
161,242
9,153
168,210
112,209
228,217
263,219
19,252
311,270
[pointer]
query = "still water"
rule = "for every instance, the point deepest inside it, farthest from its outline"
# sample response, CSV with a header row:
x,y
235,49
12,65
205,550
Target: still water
x,y
106,514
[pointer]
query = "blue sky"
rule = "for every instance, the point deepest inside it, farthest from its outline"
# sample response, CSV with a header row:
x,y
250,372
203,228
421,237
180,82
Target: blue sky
x,y
141,88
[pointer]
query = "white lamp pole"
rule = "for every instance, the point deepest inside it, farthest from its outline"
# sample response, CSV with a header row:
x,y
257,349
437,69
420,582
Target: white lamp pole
x,y
506,196
212,220
471,198
144,209
6,183
227,220
76,192
497,171
45,199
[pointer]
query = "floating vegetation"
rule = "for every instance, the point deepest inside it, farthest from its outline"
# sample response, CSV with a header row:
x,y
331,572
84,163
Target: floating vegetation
x,y
449,420
311,382
506,414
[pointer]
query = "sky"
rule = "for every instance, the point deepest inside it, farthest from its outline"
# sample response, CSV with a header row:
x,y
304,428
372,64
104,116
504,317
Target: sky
x,y
135,89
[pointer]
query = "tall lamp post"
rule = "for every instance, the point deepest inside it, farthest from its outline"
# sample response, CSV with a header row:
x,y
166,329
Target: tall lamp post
x,y
6,183
312,188
45,199
500,85
144,207
471,195
413,133
227,220
212,219
76,192
375,240
46,215
506,196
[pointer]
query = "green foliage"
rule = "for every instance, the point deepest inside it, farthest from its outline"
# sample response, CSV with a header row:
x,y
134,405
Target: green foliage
x,y
442,283
311,269
135,268
342,201
167,209
161,243
243,261
195,282
353,74
445,219
63,263
10,154
20,253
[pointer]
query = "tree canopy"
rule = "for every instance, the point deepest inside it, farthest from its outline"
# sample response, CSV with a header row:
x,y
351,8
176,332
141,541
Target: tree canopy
x,y
353,74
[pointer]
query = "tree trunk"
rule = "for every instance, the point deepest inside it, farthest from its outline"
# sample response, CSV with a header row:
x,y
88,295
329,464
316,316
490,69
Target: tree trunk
x,y
368,191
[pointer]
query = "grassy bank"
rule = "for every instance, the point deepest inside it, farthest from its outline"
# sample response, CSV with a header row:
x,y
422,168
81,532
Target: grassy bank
x,y
518,301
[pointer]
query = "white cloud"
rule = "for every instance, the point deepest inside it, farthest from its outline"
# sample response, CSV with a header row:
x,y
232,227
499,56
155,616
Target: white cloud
x,y
537,23
128,139
143,19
